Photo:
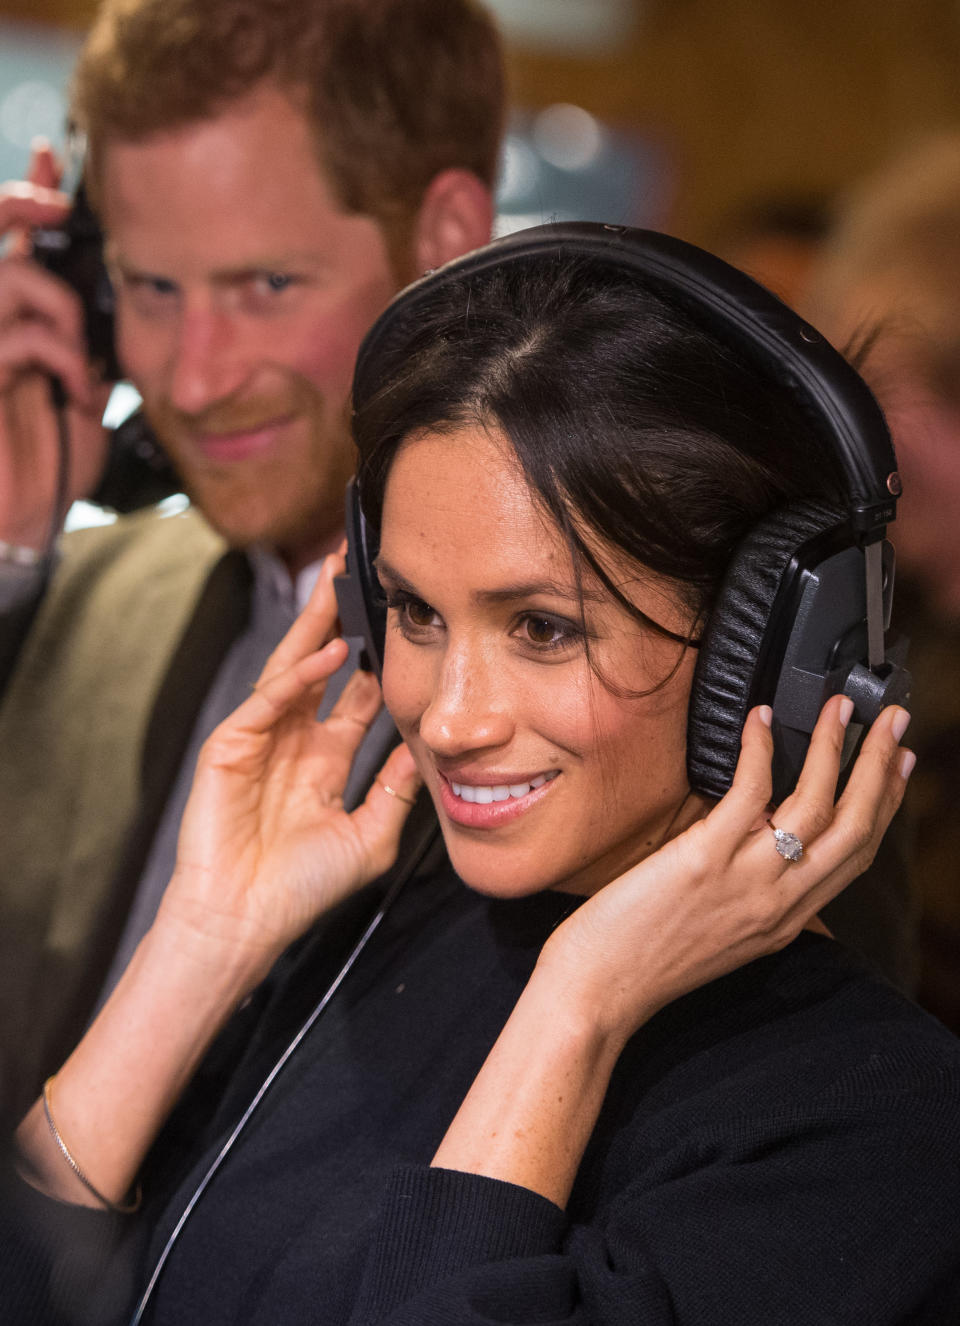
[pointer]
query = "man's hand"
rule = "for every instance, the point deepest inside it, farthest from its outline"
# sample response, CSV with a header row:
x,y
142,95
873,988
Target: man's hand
x,y
41,336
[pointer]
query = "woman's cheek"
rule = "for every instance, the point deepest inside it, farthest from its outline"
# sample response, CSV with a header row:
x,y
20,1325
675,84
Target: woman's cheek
x,y
406,683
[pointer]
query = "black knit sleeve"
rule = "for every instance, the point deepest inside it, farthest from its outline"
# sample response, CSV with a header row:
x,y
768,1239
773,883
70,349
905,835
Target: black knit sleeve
x,y
60,1265
844,1209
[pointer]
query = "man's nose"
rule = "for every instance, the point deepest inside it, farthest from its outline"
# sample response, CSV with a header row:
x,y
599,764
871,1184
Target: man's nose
x,y
208,362
470,710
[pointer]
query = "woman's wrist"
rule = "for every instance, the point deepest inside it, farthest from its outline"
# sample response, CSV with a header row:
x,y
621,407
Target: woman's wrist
x,y
533,1105
115,1091
588,997
226,954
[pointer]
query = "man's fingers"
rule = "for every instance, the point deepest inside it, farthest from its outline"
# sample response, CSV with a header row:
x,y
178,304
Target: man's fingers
x,y
44,169
35,347
24,206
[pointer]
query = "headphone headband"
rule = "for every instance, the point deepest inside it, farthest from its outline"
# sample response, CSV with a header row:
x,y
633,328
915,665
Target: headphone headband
x,y
820,380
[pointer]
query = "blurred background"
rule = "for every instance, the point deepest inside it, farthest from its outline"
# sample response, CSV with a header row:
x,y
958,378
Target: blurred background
x,y
684,114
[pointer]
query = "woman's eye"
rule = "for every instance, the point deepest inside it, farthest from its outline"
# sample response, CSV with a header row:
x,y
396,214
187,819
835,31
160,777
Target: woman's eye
x,y
413,617
418,613
547,632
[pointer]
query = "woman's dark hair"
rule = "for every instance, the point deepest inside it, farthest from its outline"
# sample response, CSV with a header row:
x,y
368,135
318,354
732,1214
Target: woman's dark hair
x,y
629,419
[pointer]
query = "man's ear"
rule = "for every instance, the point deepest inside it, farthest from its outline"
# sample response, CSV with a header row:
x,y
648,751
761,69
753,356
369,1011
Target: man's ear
x,y
456,216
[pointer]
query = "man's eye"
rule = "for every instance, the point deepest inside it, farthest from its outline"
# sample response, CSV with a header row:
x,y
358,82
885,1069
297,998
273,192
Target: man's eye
x,y
151,285
276,282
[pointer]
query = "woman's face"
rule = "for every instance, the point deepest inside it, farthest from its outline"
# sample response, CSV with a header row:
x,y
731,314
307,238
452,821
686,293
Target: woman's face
x,y
542,778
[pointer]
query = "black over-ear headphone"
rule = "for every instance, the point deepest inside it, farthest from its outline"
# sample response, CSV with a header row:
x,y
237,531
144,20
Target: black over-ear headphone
x,y
804,606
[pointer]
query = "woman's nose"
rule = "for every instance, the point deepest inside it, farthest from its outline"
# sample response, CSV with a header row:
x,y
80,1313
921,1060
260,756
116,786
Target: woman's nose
x,y
470,709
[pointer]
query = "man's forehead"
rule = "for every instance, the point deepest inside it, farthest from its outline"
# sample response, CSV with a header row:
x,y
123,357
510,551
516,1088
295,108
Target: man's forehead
x,y
244,190
254,149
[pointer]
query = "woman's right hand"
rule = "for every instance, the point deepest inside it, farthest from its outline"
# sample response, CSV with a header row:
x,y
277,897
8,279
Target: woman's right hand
x,y
266,844
41,335
265,847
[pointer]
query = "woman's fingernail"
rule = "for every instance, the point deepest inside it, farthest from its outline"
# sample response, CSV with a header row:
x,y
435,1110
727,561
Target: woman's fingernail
x,y
765,714
900,724
845,710
907,762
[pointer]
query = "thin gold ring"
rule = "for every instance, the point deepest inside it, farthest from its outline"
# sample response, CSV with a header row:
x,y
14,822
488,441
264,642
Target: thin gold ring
x,y
392,791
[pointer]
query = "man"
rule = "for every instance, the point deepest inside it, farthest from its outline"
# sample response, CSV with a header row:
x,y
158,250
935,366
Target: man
x,y
888,285
267,177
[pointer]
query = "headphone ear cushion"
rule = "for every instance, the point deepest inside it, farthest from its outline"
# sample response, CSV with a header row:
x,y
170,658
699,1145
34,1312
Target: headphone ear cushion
x,y
741,623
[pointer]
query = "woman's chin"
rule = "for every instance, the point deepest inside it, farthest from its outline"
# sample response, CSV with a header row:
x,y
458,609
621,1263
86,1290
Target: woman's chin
x,y
494,876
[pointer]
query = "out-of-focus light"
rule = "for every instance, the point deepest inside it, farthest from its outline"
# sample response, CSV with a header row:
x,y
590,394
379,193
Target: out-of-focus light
x,y
567,136
82,515
583,27
519,169
124,399
30,109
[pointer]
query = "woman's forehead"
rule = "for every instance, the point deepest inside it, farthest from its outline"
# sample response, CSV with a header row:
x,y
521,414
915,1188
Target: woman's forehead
x,y
458,501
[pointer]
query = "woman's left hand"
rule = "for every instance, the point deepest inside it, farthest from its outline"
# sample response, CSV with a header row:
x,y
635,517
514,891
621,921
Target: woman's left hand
x,y
720,894
712,899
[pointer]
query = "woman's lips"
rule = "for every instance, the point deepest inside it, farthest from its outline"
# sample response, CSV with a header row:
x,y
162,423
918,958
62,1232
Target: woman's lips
x,y
242,442
490,804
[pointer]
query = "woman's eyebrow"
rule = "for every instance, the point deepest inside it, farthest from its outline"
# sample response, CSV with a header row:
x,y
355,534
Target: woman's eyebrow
x,y
532,588
505,593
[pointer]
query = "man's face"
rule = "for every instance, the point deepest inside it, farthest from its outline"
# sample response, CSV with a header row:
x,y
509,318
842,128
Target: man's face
x,y
243,292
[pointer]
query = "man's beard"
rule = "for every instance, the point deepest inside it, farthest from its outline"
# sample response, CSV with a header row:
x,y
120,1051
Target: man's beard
x,y
234,414
289,496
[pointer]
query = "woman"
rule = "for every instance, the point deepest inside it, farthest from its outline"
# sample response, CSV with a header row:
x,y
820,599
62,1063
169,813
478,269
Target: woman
x,y
624,1075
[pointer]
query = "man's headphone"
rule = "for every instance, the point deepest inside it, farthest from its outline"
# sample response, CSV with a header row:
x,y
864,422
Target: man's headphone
x,y
804,606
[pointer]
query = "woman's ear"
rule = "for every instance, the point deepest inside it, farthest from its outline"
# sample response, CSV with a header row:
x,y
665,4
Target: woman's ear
x,y
455,217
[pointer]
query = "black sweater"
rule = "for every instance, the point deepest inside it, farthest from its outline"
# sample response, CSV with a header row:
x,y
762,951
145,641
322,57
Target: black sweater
x,y
778,1147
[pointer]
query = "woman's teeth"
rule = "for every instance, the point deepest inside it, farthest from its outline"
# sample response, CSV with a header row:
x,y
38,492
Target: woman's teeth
x,y
482,796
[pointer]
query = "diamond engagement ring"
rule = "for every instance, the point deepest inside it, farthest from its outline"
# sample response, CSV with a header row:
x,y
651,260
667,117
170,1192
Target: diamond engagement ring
x,y
787,844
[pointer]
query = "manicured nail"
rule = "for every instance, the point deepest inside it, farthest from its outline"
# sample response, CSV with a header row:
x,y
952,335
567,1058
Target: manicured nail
x,y
900,724
765,714
846,710
907,762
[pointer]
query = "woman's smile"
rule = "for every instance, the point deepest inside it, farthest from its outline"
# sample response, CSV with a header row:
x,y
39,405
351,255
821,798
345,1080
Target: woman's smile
x,y
542,775
488,804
